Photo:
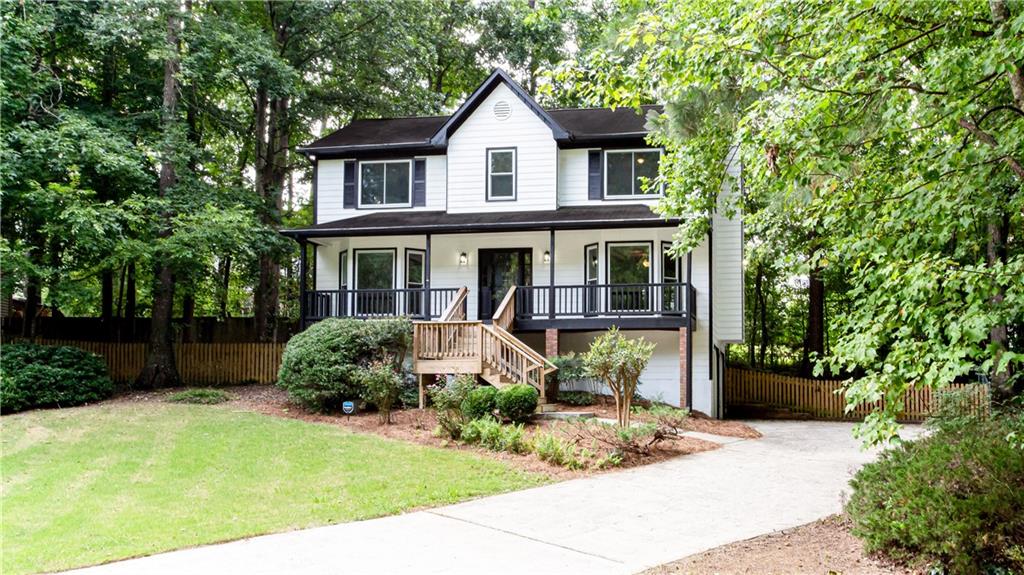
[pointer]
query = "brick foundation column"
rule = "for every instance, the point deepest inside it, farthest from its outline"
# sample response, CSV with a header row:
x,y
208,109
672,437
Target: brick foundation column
x,y
550,342
684,367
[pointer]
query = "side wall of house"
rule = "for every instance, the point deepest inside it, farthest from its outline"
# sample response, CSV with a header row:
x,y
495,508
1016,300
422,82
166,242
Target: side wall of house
x,y
727,271
536,157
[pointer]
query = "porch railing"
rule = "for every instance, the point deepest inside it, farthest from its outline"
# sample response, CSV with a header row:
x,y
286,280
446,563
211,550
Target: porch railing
x,y
615,300
418,303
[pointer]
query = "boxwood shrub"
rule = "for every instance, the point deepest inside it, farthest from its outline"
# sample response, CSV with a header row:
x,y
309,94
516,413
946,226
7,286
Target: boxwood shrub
x,y
481,402
321,367
33,376
517,402
953,500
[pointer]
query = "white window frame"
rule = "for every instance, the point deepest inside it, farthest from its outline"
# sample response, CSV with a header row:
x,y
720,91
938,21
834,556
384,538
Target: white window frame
x,y
393,252
384,206
661,187
513,173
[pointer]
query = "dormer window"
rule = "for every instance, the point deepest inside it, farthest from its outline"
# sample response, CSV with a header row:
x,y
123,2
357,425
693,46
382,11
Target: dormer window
x,y
625,169
501,174
385,184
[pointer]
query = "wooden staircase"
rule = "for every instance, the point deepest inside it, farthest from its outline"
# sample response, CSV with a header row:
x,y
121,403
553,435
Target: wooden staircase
x,y
453,345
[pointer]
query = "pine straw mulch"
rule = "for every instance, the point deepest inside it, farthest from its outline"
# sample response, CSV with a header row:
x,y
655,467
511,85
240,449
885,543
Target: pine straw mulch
x,y
417,426
605,408
824,546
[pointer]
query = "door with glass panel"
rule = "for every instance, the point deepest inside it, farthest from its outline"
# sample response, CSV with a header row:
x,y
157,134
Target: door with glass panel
x,y
375,282
629,277
500,269
672,294
591,293
414,300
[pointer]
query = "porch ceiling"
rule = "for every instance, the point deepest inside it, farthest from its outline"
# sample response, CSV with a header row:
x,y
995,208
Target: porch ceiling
x,y
440,222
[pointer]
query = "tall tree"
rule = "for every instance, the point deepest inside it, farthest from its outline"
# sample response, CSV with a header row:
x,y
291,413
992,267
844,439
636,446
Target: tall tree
x,y
894,129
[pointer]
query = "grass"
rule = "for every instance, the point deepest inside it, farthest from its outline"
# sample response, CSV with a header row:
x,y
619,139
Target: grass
x,y
93,484
201,396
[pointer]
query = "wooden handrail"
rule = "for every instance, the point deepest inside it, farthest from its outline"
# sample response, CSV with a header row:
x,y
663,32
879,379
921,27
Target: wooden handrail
x,y
506,312
537,358
456,310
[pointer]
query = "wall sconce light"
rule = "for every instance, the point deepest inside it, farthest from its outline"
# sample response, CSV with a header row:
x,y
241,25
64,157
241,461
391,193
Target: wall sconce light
x,y
547,257
646,263
463,259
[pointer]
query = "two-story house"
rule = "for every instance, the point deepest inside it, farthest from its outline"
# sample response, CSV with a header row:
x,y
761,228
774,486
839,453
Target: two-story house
x,y
514,232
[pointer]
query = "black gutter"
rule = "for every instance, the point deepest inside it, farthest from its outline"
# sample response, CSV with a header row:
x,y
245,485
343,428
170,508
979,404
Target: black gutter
x,y
689,332
476,228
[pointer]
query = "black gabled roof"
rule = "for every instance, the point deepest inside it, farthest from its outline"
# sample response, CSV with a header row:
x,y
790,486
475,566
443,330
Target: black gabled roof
x,y
429,134
386,222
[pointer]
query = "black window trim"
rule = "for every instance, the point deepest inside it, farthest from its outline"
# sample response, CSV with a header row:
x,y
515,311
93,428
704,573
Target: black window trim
x,y
608,258
604,174
355,265
405,276
515,173
359,184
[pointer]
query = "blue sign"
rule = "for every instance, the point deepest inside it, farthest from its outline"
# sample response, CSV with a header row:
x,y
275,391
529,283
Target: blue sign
x,y
349,407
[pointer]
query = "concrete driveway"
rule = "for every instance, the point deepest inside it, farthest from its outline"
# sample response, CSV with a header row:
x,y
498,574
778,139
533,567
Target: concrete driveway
x,y
617,523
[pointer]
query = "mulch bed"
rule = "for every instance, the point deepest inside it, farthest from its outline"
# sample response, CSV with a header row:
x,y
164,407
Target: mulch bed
x,y
605,408
417,426
825,546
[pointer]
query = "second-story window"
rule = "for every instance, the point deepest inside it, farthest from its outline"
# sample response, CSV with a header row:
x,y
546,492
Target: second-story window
x,y
385,184
625,171
501,174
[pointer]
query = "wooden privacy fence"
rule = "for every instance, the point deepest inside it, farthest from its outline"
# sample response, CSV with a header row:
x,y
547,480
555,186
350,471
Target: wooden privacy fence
x,y
205,363
824,399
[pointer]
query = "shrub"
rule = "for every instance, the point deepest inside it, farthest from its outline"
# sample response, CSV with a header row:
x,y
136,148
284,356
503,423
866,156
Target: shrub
x,y
495,436
381,387
580,398
200,396
481,402
664,416
322,366
447,400
409,395
570,368
618,362
33,376
955,497
517,402
557,451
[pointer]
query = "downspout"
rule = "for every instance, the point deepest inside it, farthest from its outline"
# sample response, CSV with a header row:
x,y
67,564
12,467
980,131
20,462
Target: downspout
x,y
689,331
711,317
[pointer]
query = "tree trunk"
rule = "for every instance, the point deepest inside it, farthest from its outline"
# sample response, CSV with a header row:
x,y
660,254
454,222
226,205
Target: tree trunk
x,y
129,295
161,370
814,342
995,254
188,315
107,296
225,274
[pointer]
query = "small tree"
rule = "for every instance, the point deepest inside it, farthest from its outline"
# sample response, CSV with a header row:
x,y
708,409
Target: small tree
x,y
381,387
618,362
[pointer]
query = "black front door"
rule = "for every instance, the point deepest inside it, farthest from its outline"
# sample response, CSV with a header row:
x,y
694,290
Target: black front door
x,y
500,270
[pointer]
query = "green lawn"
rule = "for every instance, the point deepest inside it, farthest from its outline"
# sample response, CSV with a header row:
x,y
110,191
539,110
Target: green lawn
x,y
87,485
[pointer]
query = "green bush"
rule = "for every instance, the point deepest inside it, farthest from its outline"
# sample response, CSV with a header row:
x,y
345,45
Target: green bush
x,y
580,398
322,366
495,436
33,376
381,387
481,402
570,368
954,498
447,400
200,396
664,416
409,395
557,451
517,402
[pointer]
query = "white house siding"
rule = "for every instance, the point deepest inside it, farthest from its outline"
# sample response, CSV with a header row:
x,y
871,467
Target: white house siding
x,y
573,182
330,190
727,271
703,392
660,381
537,157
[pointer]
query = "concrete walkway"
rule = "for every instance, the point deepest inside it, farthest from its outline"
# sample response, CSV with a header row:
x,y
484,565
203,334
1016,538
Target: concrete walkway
x,y
616,523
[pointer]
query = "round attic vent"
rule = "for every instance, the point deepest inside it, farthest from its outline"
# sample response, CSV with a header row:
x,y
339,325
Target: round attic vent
x,y
502,110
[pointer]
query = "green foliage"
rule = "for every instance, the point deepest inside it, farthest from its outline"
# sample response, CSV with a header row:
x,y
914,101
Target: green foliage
x,y
575,445
618,362
517,402
323,366
480,403
495,436
953,498
199,396
34,376
570,368
664,416
580,398
447,400
381,387
881,143
557,450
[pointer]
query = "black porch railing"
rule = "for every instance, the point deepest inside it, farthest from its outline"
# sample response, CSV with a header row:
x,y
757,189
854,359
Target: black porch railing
x,y
604,300
418,303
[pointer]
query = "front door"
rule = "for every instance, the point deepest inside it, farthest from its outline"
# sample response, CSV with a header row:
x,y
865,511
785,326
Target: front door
x,y
500,270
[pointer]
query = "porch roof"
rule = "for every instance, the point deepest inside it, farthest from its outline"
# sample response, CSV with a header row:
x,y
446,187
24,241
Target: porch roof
x,y
391,223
